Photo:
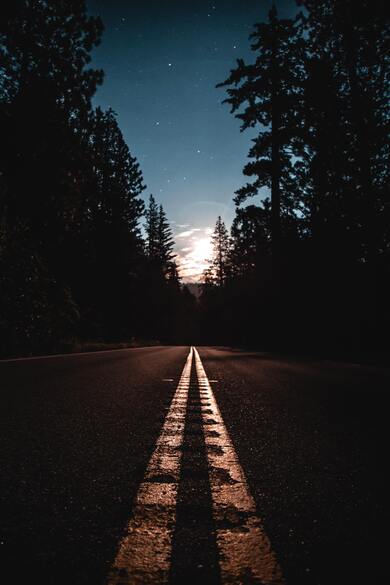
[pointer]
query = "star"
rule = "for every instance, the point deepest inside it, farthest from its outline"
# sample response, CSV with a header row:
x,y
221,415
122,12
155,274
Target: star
x,y
169,64
157,123
198,151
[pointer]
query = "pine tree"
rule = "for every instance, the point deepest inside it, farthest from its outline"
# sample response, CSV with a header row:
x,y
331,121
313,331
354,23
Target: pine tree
x,y
111,231
165,246
152,229
220,264
267,96
118,180
250,240
347,120
160,242
165,239
45,101
47,43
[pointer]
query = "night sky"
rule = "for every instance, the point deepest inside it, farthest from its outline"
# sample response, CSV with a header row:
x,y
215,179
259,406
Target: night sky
x,y
162,60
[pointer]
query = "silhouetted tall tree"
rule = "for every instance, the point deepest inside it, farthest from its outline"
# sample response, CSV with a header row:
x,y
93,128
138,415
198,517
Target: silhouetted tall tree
x,y
118,180
347,119
318,94
346,163
165,245
266,95
166,300
250,240
152,229
159,238
220,263
45,95
111,234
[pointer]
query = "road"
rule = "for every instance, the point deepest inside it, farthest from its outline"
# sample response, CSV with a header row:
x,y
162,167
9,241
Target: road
x,y
162,464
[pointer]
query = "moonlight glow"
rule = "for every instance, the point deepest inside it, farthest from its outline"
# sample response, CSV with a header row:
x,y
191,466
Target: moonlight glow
x,y
202,251
195,256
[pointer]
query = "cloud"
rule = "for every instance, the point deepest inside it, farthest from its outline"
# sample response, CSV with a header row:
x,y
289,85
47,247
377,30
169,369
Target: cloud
x,y
188,233
193,258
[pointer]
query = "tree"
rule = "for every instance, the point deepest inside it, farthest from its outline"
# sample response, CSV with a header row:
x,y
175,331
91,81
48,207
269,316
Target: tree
x,y
49,42
159,239
68,182
165,245
318,95
164,298
110,235
250,240
347,120
117,178
35,312
152,229
45,99
220,264
267,96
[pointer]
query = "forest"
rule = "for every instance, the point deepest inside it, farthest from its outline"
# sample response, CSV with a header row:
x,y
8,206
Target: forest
x,y
305,265
74,262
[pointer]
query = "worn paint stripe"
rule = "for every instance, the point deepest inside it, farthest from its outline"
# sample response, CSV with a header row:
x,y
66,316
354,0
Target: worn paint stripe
x,y
245,553
144,554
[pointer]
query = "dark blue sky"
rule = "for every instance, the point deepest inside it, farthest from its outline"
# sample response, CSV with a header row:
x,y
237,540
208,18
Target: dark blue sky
x,y
162,60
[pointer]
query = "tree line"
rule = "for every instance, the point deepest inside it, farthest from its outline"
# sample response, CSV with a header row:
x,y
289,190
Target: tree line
x,y
75,263
305,264
309,265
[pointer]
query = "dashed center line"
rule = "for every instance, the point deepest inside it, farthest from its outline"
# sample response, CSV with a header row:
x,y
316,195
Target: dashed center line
x,y
245,553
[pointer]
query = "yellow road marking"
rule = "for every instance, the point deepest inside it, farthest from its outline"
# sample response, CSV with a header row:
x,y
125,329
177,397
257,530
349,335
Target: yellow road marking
x,y
144,554
245,553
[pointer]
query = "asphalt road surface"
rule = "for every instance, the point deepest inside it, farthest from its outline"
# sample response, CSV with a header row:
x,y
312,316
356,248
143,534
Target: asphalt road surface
x,y
165,465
